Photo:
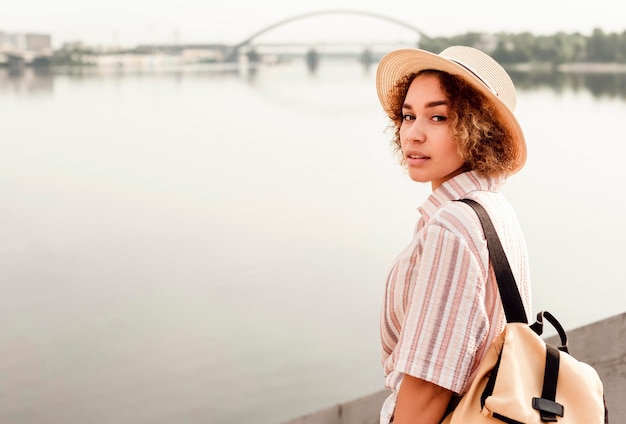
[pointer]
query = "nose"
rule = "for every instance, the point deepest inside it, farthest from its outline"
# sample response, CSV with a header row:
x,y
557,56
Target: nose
x,y
415,131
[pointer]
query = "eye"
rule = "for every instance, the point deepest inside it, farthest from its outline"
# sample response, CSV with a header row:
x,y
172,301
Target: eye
x,y
440,118
407,117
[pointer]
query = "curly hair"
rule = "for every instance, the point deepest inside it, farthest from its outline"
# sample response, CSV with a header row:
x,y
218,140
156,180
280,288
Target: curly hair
x,y
482,141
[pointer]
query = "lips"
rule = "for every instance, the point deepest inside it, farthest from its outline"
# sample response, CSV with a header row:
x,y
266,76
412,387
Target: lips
x,y
413,156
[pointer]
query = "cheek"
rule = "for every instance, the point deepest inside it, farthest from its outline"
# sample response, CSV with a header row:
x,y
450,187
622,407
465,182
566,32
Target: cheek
x,y
456,153
449,146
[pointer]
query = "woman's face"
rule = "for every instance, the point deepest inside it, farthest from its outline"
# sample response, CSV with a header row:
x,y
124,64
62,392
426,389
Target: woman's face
x,y
429,150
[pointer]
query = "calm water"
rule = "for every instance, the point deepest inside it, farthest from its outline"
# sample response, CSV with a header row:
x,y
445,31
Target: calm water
x,y
198,247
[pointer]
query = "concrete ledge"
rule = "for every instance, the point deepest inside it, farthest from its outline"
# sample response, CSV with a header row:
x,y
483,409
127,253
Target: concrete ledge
x,y
365,410
601,344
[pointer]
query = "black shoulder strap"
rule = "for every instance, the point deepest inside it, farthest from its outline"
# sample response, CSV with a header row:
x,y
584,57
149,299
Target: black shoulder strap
x,y
511,299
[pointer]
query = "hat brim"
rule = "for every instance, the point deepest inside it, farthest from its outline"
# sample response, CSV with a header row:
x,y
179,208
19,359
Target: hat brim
x,y
399,63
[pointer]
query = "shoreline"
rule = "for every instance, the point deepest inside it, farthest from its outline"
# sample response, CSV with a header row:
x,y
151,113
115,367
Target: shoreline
x,y
170,62
572,67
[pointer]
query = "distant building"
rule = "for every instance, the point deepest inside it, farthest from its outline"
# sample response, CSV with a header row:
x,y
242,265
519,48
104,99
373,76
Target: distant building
x,y
25,41
4,40
38,42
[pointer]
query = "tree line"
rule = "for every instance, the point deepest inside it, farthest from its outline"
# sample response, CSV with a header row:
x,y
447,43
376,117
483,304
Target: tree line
x,y
599,47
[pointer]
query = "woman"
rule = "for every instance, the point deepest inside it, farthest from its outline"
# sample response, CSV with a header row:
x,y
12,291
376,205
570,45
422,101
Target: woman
x,y
455,128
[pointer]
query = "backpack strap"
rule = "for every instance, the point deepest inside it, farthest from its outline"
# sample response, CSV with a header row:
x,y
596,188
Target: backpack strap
x,y
548,408
546,405
509,293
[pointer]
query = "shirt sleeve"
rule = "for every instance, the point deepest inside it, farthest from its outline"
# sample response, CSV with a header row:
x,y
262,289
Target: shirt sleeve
x,y
446,319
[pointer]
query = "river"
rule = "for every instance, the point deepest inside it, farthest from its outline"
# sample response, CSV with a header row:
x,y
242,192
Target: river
x,y
195,246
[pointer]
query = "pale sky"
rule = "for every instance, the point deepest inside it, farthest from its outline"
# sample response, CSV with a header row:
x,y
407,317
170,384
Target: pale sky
x,y
130,22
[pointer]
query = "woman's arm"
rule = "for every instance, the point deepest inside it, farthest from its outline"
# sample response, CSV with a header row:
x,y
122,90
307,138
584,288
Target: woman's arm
x,y
420,402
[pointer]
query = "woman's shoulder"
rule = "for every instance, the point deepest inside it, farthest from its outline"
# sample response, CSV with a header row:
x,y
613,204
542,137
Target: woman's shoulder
x,y
462,221
457,218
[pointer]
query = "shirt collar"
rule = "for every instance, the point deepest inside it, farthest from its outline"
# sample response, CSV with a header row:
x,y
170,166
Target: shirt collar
x,y
458,187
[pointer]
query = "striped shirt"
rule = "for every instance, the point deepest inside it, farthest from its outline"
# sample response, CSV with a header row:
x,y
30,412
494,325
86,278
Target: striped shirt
x,y
442,310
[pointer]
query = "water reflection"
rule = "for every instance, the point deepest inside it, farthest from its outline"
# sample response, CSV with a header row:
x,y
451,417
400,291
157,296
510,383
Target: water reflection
x,y
32,81
600,85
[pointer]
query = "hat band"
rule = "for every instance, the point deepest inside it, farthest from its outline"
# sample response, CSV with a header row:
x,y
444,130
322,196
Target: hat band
x,y
476,75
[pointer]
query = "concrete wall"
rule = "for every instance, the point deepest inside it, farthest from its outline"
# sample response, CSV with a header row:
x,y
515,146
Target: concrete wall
x,y
601,345
365,410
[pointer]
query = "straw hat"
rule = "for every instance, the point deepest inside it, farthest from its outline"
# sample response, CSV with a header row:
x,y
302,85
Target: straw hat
x,y
473,66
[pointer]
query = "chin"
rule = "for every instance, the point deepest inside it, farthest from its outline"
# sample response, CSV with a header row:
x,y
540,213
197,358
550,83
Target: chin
x,y
418,179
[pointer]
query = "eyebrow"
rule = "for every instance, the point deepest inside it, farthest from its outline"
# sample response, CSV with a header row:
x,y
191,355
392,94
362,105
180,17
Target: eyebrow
x,y
429,104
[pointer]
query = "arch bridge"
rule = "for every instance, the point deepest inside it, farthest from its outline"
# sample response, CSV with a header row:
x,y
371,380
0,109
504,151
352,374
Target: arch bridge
x,y
247,42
